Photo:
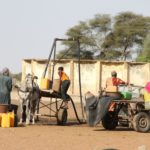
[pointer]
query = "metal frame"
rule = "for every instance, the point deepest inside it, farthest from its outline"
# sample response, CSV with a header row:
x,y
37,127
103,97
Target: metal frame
x,y
53,53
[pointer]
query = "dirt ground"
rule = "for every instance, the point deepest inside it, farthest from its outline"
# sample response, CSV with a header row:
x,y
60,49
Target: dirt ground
x,y
46,135
73,137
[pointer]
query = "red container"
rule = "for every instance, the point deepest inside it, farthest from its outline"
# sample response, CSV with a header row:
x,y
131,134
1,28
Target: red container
x,y
3,108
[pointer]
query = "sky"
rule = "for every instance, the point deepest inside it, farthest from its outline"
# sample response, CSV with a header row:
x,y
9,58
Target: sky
x,y
28,27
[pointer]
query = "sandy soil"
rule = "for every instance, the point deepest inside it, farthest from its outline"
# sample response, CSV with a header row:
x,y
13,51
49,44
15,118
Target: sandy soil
x,y
74,137
46,135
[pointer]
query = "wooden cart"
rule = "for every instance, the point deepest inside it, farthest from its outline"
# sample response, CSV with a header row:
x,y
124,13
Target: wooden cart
x,y
136,117
55,107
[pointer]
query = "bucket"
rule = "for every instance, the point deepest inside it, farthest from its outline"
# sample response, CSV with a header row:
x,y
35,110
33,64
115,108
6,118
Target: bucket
x,y
45,84
3,108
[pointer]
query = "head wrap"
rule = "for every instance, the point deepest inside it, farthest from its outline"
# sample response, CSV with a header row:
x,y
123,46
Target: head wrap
x,y
114,73
5,71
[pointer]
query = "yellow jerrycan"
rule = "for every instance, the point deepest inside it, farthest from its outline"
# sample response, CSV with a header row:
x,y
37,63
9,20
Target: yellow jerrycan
x,y
45,84
0,119
7,120
12,119
5,123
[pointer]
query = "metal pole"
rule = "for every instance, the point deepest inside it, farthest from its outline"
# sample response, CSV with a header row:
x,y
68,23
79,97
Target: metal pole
x,y
54,49
80,88
54,43
54,59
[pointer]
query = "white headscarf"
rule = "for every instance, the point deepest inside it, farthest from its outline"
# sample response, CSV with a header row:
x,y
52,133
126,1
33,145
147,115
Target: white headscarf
x,y
5,71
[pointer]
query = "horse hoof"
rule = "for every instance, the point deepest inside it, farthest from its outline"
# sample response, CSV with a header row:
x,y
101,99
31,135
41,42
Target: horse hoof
x,y
20,123
27,123
33,122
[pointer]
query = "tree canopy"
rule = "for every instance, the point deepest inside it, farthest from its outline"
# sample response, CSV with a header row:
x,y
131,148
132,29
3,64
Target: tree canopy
x,y
106,37
145,54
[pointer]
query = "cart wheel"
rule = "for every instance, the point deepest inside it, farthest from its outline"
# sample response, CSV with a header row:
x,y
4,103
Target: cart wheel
x,y
110,121
62,117
141,122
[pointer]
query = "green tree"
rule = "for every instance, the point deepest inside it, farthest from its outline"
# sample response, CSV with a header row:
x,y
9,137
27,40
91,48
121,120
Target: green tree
x,y
145,54
103,37
91,34
128,31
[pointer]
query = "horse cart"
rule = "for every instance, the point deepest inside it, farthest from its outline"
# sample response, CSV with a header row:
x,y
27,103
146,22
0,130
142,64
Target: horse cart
x,y
31,94
55,107
128,112
55,97
30,97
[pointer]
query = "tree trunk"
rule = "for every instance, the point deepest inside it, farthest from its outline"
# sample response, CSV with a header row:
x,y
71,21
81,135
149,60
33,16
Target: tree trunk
x,y
124,52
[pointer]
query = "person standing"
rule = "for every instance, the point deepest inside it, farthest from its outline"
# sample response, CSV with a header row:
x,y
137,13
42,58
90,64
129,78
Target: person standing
x,y
5,87
64,85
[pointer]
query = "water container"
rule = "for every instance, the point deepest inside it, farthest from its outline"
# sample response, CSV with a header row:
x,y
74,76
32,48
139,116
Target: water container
x,y
123,88
45,84
12,119
147,100
56,85
126,95
5,123
0,119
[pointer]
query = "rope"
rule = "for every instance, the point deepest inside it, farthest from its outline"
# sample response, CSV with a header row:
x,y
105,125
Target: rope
x,y
75,111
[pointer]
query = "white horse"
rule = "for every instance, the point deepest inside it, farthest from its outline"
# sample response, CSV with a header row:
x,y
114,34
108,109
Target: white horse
x,y
29,94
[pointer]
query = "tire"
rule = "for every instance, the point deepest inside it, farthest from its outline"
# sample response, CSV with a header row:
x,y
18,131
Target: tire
x,y
110,121
141,122
62,116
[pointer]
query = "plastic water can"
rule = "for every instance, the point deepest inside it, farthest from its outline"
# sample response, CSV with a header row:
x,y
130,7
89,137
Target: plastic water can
x,y
45,84
147,99
0,119
5,123
12,119
126,95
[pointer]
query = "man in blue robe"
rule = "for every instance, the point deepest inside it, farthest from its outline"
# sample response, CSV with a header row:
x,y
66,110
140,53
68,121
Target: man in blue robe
x,y
5,87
